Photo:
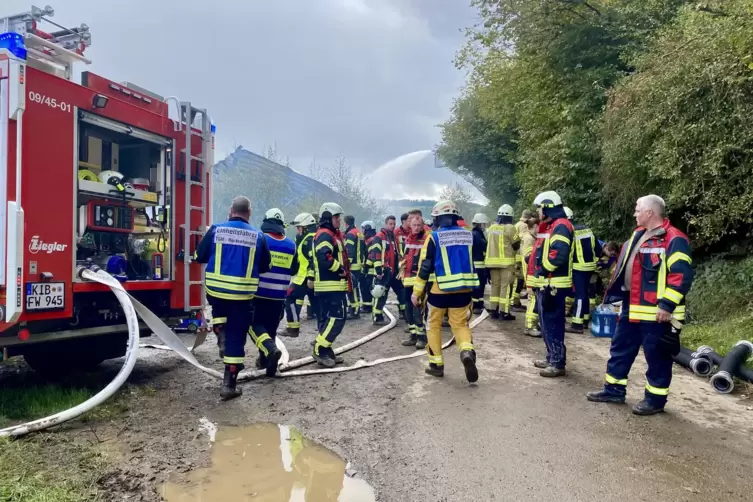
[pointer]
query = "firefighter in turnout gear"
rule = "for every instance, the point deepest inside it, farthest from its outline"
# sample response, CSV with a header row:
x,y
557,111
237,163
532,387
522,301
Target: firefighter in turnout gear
x,y
479,255
354,247
527,234
303,273
586,254
551,264
522,227
332,282
235,254
654,273
502,241
368,229
447,253
414,315
384,257
401,235
269,302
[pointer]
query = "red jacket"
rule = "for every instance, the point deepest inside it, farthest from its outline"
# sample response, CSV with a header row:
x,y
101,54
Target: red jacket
x,y
400,236
383,251
551,260
413,245
661,276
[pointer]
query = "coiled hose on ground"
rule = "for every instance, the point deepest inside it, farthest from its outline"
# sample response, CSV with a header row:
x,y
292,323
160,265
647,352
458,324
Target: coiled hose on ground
x,y
730,365
701,366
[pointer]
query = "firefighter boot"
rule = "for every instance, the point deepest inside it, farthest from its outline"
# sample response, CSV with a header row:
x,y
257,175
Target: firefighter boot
x,y
604,396
508,317
541,364
229,382
261,362
478,307
494,314
576,329
552,372
325,357
434,370
379,320
469,362
353,314
421,340
532,332
645,408
290,332
411,340
272,361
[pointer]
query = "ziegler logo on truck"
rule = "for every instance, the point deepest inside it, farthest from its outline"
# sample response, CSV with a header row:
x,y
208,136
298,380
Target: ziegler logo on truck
x,y
36,245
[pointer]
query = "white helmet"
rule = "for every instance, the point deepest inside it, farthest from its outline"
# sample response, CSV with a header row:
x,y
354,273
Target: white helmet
x,y
480,218
444,207
331,208
369,224
377,291
568,213
304,220
105,176
275,214
547,199
504,210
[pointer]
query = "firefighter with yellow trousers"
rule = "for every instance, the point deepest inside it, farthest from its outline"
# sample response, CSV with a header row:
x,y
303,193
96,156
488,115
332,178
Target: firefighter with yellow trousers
x,y
527,234
522,226
551,264
447,253
235,254
502,241
414,315
332,282
654,273
479,222
354,246
303,273
586,254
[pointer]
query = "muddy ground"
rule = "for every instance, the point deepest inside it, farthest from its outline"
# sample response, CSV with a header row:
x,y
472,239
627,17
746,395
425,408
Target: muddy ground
x,y
413,437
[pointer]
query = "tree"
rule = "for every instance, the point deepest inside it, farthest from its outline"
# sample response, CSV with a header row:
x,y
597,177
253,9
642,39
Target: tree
x,y
461,197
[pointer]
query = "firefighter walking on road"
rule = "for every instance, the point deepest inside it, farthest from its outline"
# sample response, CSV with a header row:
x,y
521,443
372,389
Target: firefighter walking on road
x,y
303,273
384,258
332,282
552,262
480,243
586,254
447,253
269,302
354,247
500,261
235,254
414,315
654,273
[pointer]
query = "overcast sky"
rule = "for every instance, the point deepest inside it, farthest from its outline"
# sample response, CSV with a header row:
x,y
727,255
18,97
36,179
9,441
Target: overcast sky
x,y
368,78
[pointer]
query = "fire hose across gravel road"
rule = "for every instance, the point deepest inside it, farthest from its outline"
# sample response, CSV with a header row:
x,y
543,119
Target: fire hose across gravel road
x,y
134,309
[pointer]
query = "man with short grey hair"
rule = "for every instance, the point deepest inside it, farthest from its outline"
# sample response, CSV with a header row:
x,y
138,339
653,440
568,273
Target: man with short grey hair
x,y
653,275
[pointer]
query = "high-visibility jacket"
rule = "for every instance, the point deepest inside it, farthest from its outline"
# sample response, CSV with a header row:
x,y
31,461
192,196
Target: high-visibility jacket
x,y
479,247
236,254
499,250
273,285
401,235
331,267
448,254
551,261
383,252
586,252
527,238
414,243
354,247
662,274
303,264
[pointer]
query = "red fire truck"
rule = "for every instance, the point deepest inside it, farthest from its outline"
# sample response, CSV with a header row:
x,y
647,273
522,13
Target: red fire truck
x,y
92,173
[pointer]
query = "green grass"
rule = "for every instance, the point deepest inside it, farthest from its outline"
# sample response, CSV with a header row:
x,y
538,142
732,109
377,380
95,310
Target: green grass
x,y
29,474
721,335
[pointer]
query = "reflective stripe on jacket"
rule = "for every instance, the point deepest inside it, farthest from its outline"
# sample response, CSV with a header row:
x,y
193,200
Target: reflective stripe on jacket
x,y
330,262
479,247
303,265
414,243
232,271
499,250
354,248
273,285
662,274
551,261
586,252
527,238
447,253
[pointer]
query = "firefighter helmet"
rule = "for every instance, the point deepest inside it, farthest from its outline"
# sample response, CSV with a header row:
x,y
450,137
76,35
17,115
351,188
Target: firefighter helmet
x,y
547,199
368,225
303,220
568,213
504,210
106,176
275,214
444,207
377,291
480,218
331,208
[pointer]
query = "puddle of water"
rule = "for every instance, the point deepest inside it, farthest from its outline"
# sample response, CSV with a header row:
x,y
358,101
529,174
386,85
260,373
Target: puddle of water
x,y
269,463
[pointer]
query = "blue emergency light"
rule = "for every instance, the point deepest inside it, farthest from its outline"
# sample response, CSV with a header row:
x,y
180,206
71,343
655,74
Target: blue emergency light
x,y
14,42
213,127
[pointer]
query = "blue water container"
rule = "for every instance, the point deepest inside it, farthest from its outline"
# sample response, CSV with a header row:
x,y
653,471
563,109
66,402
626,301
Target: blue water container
x,y
603,322
14,42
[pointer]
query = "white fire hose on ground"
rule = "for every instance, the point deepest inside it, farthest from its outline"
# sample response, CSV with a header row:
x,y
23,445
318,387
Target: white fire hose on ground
x,y
132,307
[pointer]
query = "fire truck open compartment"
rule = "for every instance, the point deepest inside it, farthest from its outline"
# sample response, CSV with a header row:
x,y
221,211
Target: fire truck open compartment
x,y
123,199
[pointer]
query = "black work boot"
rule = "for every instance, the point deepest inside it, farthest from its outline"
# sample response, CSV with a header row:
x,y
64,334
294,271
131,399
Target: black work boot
x,y
508,317
353,314
272,361
261,362
552,372
602,396
325,357
644,408
469,362
518,307
229,382
421,341
291,332
541,364
478,309
401,314
411,340
532,332
494,314
434,370
575,329
379,320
